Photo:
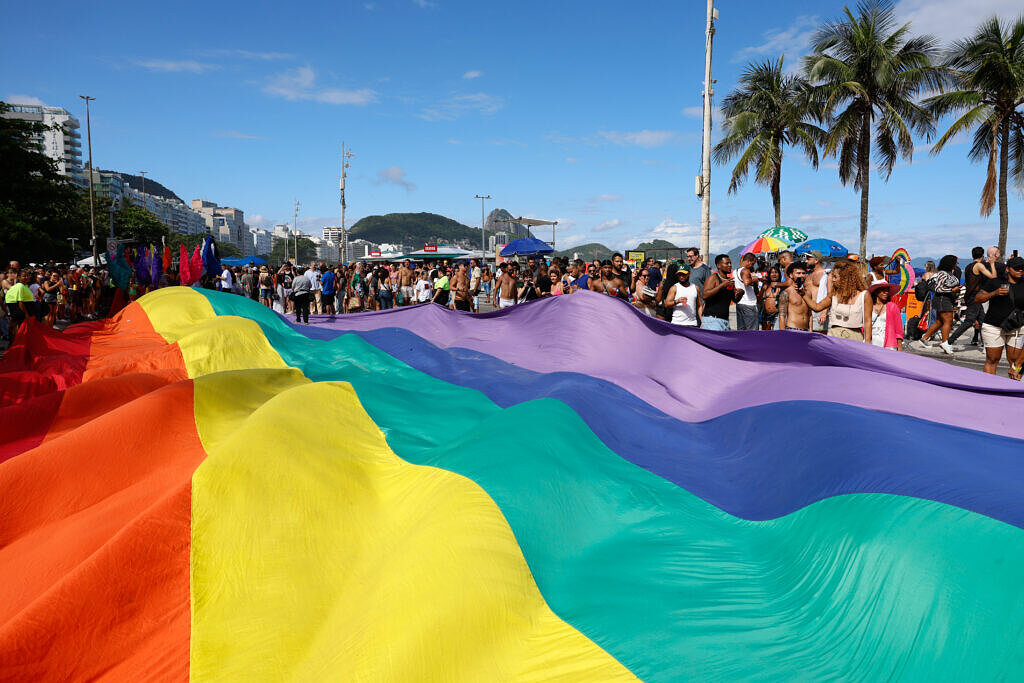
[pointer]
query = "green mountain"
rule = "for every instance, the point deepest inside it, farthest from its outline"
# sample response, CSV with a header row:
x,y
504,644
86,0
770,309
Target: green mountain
x,y
414,230
587,252
152,187
655,245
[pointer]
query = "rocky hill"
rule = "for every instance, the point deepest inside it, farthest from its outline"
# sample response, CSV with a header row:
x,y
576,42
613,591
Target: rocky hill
x,y
414,230
587,252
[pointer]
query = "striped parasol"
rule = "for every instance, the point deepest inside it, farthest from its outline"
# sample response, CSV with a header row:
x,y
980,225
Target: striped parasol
x,y
786,234
765,245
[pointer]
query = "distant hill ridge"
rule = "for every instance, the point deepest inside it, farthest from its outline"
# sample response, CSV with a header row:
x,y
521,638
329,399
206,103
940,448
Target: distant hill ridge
x,y
414,230
152,186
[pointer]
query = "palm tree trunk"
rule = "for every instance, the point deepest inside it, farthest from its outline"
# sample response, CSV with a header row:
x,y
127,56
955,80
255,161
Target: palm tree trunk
x,y
777,195
1004,161
864,160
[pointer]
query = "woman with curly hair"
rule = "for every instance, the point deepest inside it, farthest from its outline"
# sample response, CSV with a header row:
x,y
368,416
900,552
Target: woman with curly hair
x,y
849,307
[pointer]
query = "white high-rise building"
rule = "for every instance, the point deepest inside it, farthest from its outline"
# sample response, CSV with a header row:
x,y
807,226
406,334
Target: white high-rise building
x,y
262,241
171,212
326,250
63,144
332,233
225,223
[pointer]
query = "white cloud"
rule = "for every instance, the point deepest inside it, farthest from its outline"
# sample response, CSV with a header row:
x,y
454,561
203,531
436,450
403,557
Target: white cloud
x,y
570,241
249,54
952,19
452,141
606,198
236,134
257,221
394,175
791,41
457,105
475,73
640,138
425,4
571,160
300,84
171,66
24,99
608,225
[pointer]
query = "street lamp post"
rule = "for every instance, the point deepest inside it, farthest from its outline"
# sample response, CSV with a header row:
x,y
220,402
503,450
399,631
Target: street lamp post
x,y
92,211
295,231
483,244
143,174
74,252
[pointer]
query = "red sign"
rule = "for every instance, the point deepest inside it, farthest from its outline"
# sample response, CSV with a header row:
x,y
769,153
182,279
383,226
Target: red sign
x,y
430,248
374,253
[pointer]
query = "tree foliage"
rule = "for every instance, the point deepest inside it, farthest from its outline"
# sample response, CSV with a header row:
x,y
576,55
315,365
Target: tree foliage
x,y
767,111
868,73
283,250
986,88
39,208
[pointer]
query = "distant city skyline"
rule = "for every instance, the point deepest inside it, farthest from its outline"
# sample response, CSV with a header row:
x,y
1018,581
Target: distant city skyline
x,y
585,114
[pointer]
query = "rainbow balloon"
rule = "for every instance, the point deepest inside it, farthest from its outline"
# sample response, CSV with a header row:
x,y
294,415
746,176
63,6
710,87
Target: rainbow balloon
x,y
904,277
900,254
198,489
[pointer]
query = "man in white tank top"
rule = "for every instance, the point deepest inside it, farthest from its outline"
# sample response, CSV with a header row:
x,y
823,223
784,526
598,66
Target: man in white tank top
x,y
684,300
746,307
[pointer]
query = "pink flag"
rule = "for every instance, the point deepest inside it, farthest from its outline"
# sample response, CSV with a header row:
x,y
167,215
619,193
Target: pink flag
x,y
184,272
196,265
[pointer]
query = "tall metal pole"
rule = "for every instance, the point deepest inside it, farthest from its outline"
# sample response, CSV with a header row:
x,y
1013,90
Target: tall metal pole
x,y
143,174
295,230
483,244
705,184
346,154
92,210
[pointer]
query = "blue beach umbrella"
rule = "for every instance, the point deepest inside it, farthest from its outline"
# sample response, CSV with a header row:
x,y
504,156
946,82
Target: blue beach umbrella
x,y
526,246
828,248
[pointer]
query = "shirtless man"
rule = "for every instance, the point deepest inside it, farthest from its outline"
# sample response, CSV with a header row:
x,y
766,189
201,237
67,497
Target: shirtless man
x,y
406,279
794,313
505,289
460,288
609,283
816,286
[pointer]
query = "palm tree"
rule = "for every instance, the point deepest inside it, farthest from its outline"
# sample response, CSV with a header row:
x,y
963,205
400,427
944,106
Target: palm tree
x,y
868,73
768,110
987,85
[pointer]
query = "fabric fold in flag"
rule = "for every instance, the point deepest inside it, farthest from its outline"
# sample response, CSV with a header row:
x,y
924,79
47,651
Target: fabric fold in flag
x,y
214,493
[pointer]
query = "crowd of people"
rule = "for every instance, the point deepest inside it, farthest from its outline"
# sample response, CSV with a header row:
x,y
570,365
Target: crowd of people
x,y
846,298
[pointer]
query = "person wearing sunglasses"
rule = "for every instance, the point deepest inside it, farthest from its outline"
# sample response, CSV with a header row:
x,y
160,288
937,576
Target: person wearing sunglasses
x,y
643,294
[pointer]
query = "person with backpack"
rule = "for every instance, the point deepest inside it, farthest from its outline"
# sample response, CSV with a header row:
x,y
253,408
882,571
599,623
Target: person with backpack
x,y
1003,325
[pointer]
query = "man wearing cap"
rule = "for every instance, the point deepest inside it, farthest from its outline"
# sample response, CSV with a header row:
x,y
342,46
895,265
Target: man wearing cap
x,y
684,300
817,288
1005,296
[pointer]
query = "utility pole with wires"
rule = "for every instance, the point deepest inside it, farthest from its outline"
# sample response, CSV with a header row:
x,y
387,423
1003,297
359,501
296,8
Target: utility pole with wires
x,y
92,170
295,230
704,180
346,154
483,244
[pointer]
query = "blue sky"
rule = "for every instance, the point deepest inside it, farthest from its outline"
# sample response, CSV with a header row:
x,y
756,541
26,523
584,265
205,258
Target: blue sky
x,y
588,113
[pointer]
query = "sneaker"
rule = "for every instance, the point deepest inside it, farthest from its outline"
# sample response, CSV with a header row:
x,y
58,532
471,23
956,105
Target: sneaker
x,y
946,348
925,343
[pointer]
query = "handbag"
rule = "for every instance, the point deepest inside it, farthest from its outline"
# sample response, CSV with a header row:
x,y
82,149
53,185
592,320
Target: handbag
x,y
1015,320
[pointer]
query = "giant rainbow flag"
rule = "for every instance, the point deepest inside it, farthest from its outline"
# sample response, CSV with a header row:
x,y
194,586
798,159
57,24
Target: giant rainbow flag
x,y
566,490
